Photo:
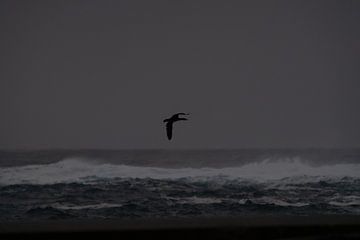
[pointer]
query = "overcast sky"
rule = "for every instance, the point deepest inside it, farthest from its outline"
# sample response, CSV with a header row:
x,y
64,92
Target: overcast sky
x,y
104,74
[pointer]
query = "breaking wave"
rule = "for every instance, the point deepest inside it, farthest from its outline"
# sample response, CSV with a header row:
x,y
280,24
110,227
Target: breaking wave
x,y
86,171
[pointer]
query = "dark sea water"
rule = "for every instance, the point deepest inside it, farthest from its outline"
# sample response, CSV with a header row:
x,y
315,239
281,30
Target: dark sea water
x,y
103,184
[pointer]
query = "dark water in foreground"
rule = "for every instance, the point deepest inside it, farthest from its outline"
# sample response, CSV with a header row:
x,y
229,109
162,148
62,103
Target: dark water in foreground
x,y
93,184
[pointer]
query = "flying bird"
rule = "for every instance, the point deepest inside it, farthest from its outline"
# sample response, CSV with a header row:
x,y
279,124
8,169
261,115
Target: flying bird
x,y
170,121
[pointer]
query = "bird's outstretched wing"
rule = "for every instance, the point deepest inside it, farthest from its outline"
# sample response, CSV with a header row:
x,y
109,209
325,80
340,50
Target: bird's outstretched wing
x,y
178,114
169,127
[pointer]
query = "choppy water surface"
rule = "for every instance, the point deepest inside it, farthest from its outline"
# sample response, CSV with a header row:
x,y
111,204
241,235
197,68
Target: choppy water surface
x,y
135,184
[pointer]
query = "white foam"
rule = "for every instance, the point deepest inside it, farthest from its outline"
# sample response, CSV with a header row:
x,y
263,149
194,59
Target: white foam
x,y
81,170
200,200
81,207
346,201
278,202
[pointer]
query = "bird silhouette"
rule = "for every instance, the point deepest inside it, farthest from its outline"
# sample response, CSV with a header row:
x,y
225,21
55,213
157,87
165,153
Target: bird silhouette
x,y
170,121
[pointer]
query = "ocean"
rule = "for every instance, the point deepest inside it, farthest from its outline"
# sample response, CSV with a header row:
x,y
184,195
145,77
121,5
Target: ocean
x,y
128,184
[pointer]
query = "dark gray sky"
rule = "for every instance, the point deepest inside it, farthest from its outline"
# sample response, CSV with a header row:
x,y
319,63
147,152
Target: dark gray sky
x,y
104,74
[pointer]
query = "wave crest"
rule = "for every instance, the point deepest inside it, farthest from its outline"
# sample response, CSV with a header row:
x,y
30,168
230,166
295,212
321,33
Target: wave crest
x,y
87,171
